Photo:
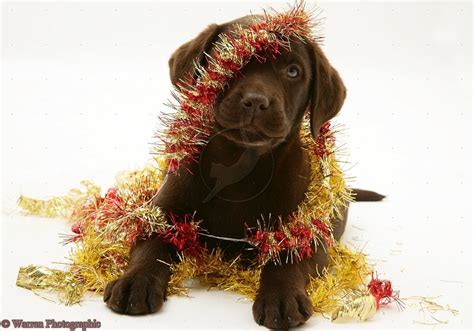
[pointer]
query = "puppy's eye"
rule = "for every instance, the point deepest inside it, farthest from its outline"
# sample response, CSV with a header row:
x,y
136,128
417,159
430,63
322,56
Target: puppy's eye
x,y
292,71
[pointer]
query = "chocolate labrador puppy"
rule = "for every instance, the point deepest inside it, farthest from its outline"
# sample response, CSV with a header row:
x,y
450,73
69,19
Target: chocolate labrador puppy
x,y
254,165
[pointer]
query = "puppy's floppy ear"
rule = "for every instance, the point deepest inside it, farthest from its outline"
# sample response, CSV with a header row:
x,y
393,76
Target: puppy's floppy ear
x,y
183,58
328,93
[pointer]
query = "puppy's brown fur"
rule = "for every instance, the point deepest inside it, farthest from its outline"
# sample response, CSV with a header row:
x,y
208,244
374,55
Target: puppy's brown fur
x,y
275,184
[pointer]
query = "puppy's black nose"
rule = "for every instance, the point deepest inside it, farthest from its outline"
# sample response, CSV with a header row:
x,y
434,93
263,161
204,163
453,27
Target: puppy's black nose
x,y
254,102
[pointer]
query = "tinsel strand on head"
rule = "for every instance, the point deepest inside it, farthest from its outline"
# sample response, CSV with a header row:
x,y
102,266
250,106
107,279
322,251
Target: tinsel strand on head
x,y
187,131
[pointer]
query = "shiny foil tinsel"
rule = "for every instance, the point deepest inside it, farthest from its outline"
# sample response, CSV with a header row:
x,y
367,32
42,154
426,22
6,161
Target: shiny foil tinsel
x,y
362,308
101,245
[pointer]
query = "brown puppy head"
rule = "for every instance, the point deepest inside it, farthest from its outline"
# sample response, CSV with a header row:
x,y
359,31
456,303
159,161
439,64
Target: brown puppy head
x,y
266,103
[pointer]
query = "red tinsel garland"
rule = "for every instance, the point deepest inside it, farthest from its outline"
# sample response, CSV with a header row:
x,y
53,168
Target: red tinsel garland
x,y
189,130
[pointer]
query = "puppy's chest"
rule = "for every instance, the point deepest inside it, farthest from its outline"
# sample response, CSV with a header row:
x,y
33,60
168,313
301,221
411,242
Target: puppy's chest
x,y
250,203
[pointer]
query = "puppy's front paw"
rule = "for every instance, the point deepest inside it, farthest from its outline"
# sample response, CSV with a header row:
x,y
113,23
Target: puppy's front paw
x,y
135,293
282,308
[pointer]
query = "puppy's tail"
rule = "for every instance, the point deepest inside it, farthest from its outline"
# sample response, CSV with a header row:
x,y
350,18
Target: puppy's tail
x,y
364,195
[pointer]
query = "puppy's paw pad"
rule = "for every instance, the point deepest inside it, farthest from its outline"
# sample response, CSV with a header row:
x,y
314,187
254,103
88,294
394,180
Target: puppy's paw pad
x,y
134,294
282,309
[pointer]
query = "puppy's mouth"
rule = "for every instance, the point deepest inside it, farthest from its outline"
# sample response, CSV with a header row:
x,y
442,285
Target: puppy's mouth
x,y
249,136
247,130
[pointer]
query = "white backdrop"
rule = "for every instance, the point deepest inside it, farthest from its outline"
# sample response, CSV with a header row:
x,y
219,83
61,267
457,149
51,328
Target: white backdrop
x,y
82,86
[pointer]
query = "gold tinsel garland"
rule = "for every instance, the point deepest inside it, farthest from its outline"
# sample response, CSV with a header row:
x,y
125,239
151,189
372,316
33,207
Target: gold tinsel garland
x,y
101,254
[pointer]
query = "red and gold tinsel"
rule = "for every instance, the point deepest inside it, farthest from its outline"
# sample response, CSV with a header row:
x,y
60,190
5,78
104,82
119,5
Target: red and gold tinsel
x,y
106,226
188,130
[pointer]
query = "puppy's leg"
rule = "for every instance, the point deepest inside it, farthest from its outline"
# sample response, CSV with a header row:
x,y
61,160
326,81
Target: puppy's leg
x,y
142,289
282,301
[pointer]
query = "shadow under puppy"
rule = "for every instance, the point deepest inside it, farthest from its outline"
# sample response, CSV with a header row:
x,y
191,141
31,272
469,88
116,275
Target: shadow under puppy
x,y
254,165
